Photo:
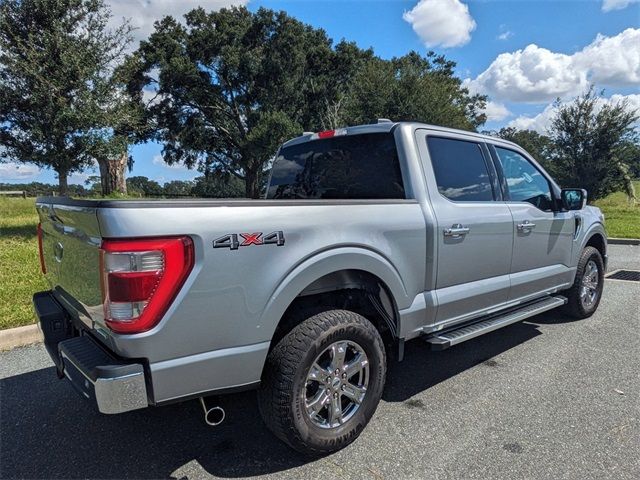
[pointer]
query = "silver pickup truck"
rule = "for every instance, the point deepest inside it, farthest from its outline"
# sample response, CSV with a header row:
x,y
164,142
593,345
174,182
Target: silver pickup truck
x,y
367,237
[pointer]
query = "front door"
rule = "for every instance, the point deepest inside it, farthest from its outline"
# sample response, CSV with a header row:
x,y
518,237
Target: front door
x,y
543,238
474,228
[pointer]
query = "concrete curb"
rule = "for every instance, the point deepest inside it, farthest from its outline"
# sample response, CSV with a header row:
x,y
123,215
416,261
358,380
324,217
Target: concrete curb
x,y
623,241
20,336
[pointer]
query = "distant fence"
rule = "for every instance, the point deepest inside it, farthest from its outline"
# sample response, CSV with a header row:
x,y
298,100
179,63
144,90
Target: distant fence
x,y
10,193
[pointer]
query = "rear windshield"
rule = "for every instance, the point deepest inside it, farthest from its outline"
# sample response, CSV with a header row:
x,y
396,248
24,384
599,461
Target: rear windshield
x,y
351,167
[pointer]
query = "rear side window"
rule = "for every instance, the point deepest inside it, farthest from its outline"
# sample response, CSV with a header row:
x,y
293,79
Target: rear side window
x,y
460,170
350,167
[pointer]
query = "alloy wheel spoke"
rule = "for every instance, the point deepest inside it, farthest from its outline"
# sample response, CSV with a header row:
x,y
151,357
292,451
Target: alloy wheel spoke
x,y
354,393
318,402
335,411
356,365
317,373
338,353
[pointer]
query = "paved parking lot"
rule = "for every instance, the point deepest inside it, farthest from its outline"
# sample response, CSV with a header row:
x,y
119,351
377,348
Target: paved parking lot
x,y
548,398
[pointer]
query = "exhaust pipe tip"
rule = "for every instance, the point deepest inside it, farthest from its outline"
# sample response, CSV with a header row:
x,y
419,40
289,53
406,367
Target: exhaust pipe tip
x,y
214,416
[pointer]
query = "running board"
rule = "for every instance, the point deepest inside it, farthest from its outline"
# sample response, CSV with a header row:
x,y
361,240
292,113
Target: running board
x,y
451,337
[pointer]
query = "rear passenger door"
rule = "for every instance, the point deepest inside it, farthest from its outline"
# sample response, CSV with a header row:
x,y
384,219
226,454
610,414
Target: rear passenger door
x,y
474,226
543,237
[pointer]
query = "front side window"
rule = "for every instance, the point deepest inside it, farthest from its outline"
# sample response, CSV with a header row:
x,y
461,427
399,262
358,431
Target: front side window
x,y
460,170
362,166
524,182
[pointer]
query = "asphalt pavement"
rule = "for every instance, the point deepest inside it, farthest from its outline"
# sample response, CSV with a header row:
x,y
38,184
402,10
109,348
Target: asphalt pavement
x,y
549,398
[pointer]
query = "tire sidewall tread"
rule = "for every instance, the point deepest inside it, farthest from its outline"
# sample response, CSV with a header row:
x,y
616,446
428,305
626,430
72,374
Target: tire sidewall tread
x,y
280,400
574,307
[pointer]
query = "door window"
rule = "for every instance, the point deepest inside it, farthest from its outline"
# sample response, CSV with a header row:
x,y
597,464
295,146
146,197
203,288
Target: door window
x,y
524,182
460,170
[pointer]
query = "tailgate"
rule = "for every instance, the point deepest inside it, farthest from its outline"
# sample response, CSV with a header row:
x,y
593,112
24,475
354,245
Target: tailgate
x,y
71,249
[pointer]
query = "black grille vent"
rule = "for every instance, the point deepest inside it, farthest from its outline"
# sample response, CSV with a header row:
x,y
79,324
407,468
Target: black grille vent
x,y
628,275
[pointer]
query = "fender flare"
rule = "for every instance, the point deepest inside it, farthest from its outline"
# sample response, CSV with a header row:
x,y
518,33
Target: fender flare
x,y
596,228
324,263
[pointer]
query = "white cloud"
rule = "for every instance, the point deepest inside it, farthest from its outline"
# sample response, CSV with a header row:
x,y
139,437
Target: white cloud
x,y
142,13
537,75
534,74
505,33
158,160
609,5
541,122
17,171
444,23
612,60
496,111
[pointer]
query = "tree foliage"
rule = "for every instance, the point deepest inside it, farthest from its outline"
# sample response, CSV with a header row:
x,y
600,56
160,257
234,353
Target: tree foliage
x,y
590,138
143,186
412,87
61,106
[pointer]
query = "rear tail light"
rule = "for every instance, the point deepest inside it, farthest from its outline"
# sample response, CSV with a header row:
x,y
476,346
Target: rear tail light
x,y
140,279
43,267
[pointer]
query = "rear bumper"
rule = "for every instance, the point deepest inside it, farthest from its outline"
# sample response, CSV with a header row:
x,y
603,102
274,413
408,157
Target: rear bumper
x,y
111,384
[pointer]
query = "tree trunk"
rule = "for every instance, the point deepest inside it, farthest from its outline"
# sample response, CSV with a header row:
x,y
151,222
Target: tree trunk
x,y
252,184
112,174
63,185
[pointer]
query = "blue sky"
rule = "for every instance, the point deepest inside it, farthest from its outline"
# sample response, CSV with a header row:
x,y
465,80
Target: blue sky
x,y
523,54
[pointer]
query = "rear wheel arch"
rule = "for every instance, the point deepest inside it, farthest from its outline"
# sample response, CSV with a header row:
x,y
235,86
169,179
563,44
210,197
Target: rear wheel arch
x,y
325,270
355,290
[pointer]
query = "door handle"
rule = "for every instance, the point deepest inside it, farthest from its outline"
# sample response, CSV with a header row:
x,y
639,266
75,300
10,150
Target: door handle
x,y
456,230
526,226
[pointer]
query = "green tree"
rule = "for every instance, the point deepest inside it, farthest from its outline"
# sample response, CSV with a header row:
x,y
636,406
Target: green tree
x,y
590,136
60,104
141,185
412,87
232,85
217,186
178,188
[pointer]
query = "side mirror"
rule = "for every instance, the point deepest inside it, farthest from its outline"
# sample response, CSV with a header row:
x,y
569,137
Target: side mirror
x,y
573,198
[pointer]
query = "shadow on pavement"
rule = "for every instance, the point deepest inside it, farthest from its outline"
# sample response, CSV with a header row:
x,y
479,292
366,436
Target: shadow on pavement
x,y
47,431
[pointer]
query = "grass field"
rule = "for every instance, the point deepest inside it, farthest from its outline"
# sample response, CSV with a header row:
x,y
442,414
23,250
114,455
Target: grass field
x,y
622,220
20,274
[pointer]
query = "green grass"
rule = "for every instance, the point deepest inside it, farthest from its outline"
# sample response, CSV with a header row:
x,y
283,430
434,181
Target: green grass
x,y
20,275
621,219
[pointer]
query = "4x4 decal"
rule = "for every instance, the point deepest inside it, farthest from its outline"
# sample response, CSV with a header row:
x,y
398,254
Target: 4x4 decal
x,y
235,240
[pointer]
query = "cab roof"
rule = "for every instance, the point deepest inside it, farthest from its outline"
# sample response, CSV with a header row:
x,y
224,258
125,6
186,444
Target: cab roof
x,y
388,126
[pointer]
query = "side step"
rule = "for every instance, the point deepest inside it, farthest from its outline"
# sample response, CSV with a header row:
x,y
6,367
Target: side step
x,y
448,338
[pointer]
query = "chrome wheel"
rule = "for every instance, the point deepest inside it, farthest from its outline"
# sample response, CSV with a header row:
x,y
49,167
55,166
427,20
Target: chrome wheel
x,y
336,384
589,287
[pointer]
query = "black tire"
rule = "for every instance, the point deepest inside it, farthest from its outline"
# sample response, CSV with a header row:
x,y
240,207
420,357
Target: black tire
x,y
575,307
284,388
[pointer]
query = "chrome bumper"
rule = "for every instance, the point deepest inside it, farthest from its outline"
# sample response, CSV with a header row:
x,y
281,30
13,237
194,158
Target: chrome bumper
x,y
113,386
